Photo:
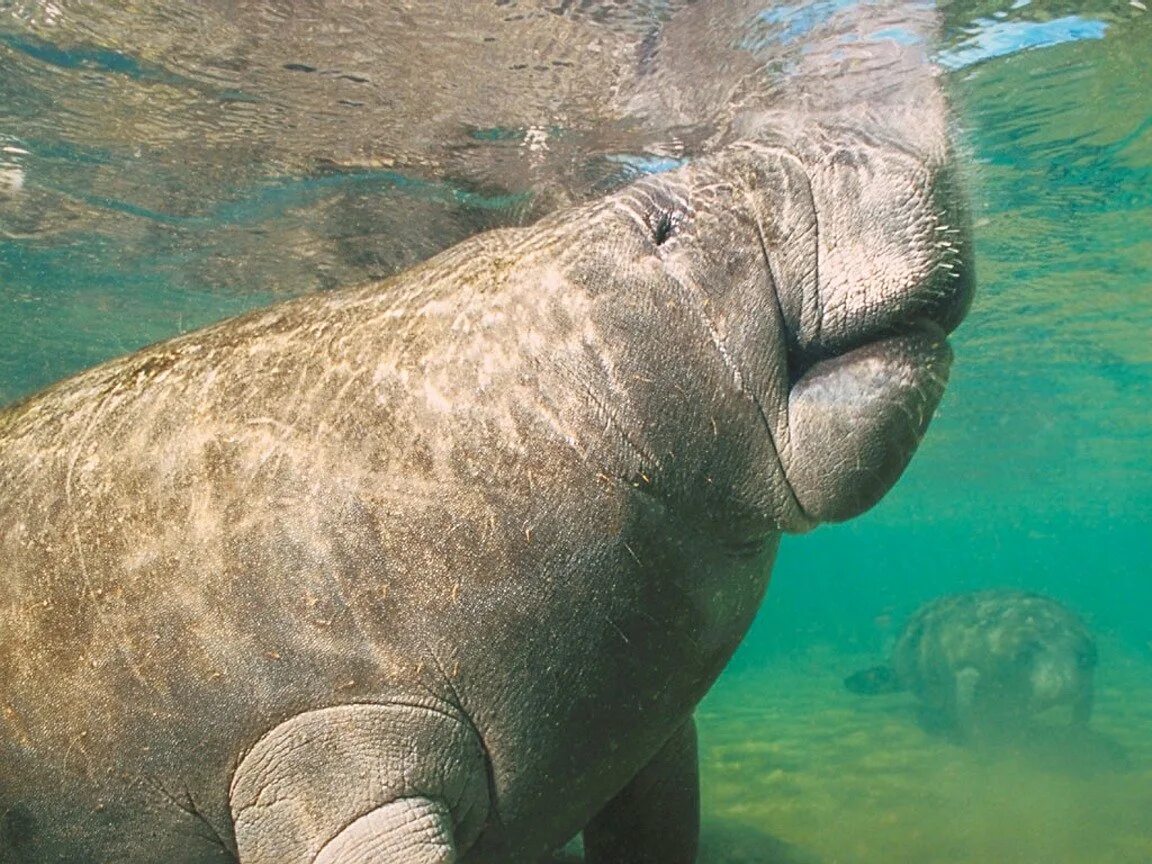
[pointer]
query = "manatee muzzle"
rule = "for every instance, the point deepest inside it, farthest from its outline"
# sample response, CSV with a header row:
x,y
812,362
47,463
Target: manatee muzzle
x,y
868,352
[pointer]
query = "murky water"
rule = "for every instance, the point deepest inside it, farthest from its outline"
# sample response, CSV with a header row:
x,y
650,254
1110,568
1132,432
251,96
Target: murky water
x,y
158,172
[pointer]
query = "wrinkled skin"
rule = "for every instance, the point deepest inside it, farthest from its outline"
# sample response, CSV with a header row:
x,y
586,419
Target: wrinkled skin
x,y
437,569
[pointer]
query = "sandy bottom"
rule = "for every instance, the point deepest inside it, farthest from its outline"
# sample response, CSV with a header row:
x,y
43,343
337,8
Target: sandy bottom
x,y
795,770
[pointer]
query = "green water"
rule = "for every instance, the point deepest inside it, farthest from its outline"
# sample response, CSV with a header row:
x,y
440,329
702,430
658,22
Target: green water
x,y
1036,472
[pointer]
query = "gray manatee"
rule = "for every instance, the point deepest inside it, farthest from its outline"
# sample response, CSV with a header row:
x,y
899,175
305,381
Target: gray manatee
x,y
979,659
437,569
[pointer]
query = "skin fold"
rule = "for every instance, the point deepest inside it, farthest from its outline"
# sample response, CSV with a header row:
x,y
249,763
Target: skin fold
x,y
437,568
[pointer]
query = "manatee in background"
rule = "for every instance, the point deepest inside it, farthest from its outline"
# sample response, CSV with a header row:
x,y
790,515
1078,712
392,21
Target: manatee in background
x,y
437,569
989,657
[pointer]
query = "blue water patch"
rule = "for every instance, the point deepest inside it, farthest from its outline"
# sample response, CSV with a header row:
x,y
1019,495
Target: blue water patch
x,y
67,152
644,164
900,35
799,19
794,22
276,195
498,134
994,38
89,58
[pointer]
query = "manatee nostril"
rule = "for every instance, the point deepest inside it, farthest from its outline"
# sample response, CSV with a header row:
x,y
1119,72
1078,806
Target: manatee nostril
x,y
663,224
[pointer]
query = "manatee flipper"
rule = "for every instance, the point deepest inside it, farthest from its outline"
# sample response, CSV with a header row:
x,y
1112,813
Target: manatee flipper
x,y
415,830
964,701
655,819
360,784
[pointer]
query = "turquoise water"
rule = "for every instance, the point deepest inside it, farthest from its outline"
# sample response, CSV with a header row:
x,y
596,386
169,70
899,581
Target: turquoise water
x,y
1036,472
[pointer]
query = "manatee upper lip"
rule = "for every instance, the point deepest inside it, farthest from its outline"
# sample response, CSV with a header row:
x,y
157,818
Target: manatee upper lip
x,y
890,248
937,316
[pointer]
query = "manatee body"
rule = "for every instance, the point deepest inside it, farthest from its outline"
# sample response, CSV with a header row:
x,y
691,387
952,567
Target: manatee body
x,y
437,569
987,657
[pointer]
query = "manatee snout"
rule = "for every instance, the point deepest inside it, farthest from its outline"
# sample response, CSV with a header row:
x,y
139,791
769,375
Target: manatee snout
x,y
890,277
893,244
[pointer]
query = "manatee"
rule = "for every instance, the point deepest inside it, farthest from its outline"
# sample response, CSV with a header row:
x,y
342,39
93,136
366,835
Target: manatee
x,y
436,569
985,658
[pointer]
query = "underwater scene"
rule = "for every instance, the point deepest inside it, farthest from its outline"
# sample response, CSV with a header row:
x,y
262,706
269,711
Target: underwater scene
x,y
151,184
